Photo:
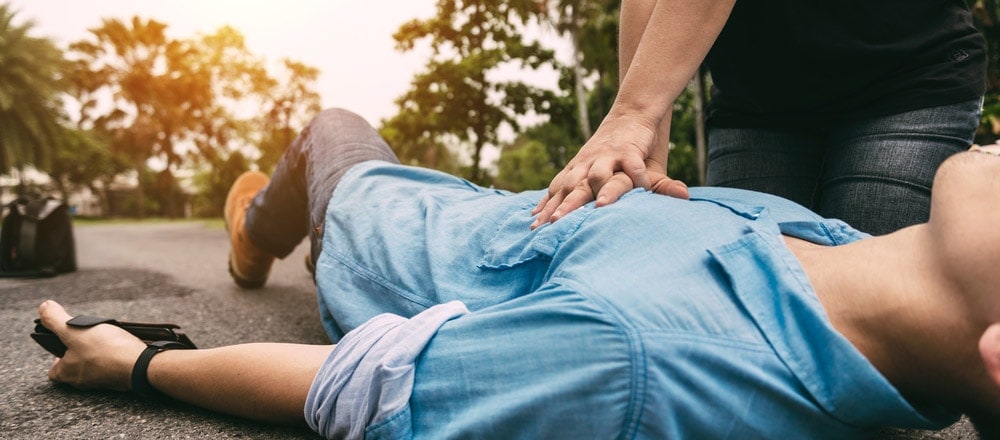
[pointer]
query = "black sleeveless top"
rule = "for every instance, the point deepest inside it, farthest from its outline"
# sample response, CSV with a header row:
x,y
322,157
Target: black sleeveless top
x,y
789,62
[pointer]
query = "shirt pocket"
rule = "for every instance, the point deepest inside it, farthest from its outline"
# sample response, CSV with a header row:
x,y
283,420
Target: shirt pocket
x,y
514,244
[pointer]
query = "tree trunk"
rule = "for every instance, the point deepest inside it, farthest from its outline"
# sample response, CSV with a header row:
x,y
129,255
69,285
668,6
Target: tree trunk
x,y
475,174
102,198
581,94
62,188
479,129
140,193
22,186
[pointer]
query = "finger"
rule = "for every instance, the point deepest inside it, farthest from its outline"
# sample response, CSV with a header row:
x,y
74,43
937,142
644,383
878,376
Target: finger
x,y
672,188
573,201
552,191
54,317
565,182
545,215
541,205
562,190
557,190
574,175
600,173
617,186
635,168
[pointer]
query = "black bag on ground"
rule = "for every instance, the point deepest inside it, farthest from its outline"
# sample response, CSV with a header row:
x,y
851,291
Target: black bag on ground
x,y
36,239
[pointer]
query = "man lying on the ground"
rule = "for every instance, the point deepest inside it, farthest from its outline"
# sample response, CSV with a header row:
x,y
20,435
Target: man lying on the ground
x,y
732,314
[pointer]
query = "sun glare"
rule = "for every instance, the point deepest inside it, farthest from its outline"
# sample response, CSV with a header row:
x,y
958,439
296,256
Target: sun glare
x,y
350,42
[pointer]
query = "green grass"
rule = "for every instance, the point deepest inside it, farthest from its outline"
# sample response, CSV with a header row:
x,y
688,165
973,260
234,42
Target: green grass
x,y
211,223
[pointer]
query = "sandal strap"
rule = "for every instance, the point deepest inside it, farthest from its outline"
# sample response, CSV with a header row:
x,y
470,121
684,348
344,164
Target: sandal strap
x,y
84,321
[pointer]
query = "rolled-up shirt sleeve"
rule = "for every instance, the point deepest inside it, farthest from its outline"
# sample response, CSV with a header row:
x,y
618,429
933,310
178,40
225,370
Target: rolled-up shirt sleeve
x,y
369,375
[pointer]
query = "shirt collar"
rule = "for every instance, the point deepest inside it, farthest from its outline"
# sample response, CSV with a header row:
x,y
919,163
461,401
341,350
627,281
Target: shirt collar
x,y
788,313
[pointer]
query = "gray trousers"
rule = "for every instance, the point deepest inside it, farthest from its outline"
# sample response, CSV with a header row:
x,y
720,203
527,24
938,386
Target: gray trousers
x,y
294,203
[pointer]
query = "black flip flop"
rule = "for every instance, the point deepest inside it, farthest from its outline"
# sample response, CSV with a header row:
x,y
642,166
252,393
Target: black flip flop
x,y
147,332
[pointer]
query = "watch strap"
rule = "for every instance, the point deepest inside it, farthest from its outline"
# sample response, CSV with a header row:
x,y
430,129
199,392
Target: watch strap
x,y
140,378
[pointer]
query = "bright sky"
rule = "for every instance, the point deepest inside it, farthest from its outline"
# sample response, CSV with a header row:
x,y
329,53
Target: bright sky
x,y
350,41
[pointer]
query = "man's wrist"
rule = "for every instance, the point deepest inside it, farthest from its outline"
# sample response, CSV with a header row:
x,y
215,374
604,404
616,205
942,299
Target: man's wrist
x,y
623,114
140,371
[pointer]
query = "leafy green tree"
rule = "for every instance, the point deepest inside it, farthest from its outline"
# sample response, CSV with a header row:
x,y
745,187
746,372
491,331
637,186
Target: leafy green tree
x,y
289,105
564,132
588,24
82,160
233,76
30,84
170,198
599,45
684,153
224,137
525,163
417,146
237,78
213,184
168,95
157,93
289,102
459,95
559,139
592,25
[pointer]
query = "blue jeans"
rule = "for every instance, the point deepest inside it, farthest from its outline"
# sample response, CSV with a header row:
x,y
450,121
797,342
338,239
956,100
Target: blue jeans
x,y
294,203
875,174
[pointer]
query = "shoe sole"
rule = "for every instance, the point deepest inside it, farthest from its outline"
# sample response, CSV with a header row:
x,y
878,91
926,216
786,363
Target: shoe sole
x,y
246,283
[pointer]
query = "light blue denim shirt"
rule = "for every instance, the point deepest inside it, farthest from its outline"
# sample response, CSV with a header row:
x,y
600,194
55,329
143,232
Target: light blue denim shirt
x,y
653,317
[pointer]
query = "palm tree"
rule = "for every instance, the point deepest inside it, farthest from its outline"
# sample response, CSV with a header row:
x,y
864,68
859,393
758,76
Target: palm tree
x,y
30,83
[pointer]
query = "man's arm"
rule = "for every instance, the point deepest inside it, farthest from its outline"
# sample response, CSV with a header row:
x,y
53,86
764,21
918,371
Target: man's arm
x,y
660,60
634,20
267,382
629,148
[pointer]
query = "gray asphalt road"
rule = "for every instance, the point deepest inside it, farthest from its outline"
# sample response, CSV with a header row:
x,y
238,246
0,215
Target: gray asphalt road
x,y
168,272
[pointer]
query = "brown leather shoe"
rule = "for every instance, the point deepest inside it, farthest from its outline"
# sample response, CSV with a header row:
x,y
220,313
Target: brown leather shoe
x,y
248,264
